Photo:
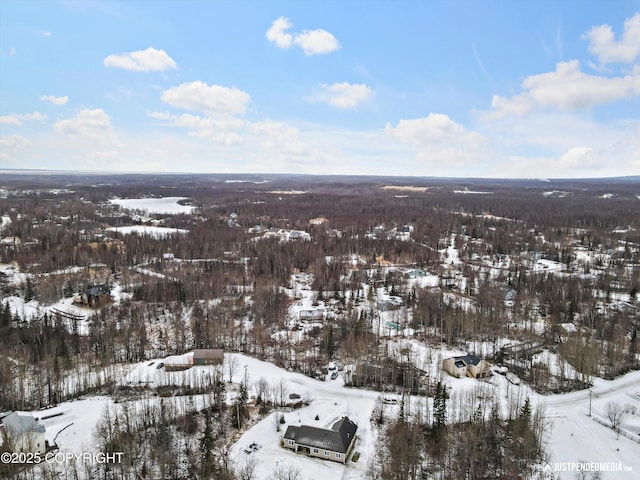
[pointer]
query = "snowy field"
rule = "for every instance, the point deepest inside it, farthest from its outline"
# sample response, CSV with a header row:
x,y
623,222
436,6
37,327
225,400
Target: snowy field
x,y
156,232
168,205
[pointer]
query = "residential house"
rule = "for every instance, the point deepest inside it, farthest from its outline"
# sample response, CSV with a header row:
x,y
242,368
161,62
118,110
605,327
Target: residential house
x,y
24,433
95,296
415,273
466,366
520,350
331,444
510,298
312,315
208,356
202,356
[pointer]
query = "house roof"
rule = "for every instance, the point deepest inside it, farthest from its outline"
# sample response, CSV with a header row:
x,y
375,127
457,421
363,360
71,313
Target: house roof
x,y
98,290
336,439
17,425
216,353
468,359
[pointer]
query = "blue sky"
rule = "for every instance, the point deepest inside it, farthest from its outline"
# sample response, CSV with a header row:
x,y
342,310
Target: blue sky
x,y
425,88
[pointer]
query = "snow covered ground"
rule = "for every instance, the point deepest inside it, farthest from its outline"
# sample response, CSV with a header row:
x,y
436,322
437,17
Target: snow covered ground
x,y
329,401
575,437
167,205
157,232
572,435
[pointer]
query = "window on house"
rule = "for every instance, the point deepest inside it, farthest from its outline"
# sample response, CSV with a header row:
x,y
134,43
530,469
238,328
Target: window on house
x,y
326,454
338,455
290,442
315,450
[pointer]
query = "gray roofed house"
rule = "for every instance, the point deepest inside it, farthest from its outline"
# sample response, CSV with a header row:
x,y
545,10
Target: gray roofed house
x,y
332,444
208,356
24,433
96,295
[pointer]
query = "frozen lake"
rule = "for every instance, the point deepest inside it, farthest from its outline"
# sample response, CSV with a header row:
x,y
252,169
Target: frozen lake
x,y
167,205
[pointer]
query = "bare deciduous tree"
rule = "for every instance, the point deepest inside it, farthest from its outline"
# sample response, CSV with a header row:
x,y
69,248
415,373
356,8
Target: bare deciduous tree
x,y
232,365
247,469
261,386
288,472
615,414
281,393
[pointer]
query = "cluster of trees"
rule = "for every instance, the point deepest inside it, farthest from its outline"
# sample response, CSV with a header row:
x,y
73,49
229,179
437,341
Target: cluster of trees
x,y
482,443
225,289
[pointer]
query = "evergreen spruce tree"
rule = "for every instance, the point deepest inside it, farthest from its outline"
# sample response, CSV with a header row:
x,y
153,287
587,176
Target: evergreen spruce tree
x,y
206,443
439,411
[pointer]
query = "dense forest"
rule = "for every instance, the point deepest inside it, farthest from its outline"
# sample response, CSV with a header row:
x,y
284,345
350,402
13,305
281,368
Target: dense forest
x,y
227,282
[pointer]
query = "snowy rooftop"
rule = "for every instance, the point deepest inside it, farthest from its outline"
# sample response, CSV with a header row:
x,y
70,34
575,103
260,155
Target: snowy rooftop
x,y
337,439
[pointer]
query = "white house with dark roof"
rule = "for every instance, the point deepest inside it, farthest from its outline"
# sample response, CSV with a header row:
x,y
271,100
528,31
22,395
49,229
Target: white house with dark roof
x,y
24,433
331,444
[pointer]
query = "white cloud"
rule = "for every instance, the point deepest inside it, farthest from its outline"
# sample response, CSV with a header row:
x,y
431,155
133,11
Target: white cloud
x,y
10,145
225,131
575,157
44,33
13,142
567,88
437,138
55,100
12,119
283,149
276,33
343,95
564,145
149,60
313,42
436,128
89,124
577,162
17,120
603,45
211,99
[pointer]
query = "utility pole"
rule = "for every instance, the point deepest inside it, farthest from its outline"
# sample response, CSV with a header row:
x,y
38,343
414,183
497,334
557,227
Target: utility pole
x,y
590,392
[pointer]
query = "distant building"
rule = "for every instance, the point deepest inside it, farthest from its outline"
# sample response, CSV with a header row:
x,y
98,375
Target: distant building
x,y
202,356
520,350
95,296
331,444
415,273
312,315
177,363
24,433
466,366
208,356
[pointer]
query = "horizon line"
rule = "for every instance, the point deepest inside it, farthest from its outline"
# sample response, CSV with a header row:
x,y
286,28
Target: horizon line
x,y
26,171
